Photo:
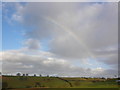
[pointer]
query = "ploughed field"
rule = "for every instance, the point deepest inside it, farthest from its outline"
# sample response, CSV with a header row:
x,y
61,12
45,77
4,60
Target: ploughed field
x,y
17,82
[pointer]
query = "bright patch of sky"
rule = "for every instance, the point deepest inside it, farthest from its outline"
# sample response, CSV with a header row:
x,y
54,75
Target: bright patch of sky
x,y
13,31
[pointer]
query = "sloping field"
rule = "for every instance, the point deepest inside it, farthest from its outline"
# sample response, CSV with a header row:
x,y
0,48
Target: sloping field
x,y
35,83
30,82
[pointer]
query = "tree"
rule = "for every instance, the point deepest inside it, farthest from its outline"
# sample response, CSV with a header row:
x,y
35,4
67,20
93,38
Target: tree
x,y
27,74
40,75
115,76
18,74
34,75
23,74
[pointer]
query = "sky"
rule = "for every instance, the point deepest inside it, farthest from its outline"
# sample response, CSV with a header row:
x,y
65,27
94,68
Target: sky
x,y
60,38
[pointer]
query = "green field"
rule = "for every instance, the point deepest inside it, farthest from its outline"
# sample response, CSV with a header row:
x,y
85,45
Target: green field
x,y
56,82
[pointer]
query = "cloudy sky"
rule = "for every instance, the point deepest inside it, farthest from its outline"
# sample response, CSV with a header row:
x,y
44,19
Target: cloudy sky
x,y
62,38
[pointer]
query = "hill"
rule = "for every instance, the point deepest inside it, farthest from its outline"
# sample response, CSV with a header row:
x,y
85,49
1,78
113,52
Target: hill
x,y
56,82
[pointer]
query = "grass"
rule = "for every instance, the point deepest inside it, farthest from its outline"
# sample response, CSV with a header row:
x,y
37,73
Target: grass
x,y
54,82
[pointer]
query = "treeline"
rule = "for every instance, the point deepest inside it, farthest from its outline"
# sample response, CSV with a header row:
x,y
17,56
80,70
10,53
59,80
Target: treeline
x,y
40,75
20,74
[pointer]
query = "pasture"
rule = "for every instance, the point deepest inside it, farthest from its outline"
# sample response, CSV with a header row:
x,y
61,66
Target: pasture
x,y
16,82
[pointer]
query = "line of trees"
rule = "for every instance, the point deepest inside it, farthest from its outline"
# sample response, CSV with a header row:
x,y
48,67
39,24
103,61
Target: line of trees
x,y
19,74
35,75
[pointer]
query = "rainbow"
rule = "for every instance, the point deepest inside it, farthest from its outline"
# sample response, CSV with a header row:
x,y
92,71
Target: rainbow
x,y
78,39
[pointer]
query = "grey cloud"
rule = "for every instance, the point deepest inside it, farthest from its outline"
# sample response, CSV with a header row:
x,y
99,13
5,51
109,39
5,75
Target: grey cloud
x,y
111,60
74,31
108,56
94,25
32,44
31,64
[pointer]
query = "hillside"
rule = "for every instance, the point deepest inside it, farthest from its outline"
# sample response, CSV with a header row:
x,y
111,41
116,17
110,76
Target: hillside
x,y
56,82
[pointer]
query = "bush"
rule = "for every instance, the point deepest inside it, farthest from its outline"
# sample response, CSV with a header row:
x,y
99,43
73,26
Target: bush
x,y
28,86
